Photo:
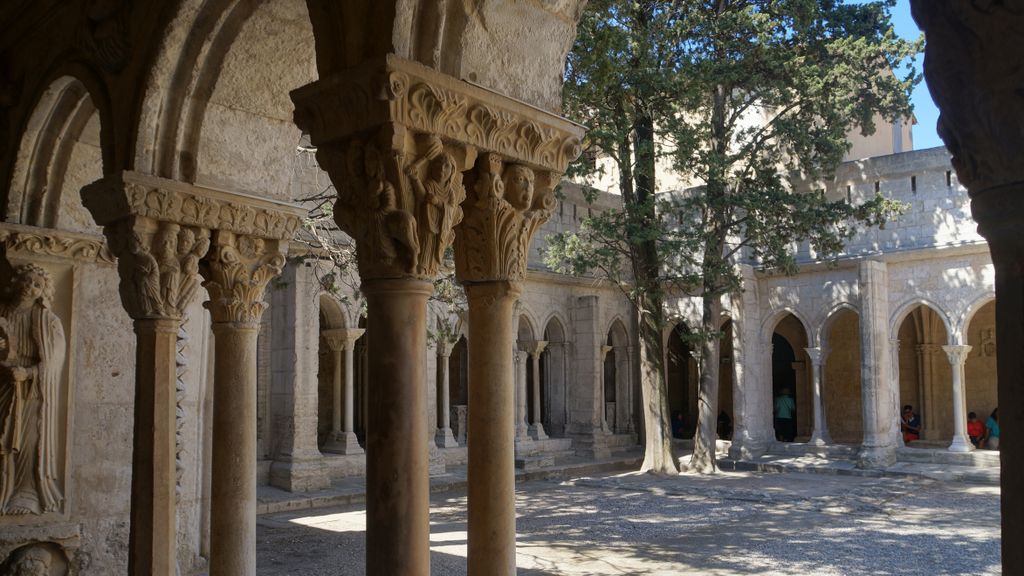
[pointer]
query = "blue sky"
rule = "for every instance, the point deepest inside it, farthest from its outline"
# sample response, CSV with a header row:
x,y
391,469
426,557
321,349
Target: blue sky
x,y
924,109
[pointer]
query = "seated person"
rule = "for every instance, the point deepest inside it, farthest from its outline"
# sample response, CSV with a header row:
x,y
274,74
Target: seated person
x,y
975,429
992,431
910,424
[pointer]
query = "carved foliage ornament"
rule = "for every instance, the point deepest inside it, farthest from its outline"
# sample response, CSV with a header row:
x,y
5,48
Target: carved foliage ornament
x,y
55,243
400,208
236,274
510,202
130,194
424,100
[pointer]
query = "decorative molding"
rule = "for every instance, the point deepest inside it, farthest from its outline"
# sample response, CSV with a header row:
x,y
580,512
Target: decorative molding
x,y
29,240
128,194
236,274
509,204
401,92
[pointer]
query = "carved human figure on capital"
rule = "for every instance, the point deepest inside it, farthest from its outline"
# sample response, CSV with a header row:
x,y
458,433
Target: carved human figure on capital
x,y
32,351
438,199
519,186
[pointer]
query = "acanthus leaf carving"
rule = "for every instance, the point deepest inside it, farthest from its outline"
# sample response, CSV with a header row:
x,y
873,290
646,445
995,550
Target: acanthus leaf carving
x,y
236,273
511,202
55,243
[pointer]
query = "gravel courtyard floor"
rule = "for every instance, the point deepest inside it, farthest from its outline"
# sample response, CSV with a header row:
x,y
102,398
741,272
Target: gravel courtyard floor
x,y
732,523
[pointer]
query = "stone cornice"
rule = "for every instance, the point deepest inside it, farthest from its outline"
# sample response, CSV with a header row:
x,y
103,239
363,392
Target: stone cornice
x,y
132,194
398,91
32,241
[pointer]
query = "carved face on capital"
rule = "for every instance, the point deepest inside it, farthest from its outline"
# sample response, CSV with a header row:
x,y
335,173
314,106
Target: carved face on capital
x,y
519,186
442,168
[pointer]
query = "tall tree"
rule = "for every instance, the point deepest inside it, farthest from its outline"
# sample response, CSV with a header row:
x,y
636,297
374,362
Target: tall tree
x,y
750,102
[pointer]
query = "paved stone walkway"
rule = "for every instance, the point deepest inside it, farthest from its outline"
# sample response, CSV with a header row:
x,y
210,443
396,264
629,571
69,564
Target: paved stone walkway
x,y
731,523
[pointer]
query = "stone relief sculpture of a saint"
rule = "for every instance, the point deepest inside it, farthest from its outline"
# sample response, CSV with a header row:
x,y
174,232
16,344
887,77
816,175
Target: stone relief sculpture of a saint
x,y
395,228
438,198
32,349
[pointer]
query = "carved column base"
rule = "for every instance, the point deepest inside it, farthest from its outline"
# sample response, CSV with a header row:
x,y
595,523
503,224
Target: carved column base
x,y
746,447
343,443
536,431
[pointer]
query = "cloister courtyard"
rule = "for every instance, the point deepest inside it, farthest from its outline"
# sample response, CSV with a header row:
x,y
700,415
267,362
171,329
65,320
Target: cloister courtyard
x,y
731,523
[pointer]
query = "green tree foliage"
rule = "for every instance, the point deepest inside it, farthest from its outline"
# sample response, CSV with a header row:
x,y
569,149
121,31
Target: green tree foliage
x,y
750,102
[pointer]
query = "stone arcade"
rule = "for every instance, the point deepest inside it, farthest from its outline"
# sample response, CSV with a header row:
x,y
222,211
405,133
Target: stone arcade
x,y
147,160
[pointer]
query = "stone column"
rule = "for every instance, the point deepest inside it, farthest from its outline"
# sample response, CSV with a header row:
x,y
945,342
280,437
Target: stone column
x,y
160,230
444,437
605,350
521,356
957,357
928,410
342,341
536,429
878,449
508,202
819,437
236,273
894,352
975,80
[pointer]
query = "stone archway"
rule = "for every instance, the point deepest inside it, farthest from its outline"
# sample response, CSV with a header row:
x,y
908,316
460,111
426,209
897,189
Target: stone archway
x,y
841,377
925,374
981,379
553,367
458,389
617,400
681,379
791,377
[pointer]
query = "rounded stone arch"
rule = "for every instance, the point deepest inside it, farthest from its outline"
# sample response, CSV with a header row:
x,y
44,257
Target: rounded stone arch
x,y
617,333
964,321
903,310
65,144
772,321
217,109
332,313
527,325
555,368
829,318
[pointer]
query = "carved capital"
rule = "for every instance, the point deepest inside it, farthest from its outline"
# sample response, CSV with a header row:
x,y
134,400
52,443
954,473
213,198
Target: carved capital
x,y
509,202
815,355
339,339
398,197
158,263
957,354
236,273
974,75
394,136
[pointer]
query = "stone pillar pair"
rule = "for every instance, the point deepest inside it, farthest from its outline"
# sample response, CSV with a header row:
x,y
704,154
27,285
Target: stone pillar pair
x,y
165,234
532,427
342,342
420,159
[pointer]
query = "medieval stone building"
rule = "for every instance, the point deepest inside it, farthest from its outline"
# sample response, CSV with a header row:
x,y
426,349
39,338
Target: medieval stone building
x,y
167,346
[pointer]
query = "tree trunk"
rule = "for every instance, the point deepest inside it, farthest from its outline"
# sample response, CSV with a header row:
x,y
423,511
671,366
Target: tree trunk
x,y
658,453
703,459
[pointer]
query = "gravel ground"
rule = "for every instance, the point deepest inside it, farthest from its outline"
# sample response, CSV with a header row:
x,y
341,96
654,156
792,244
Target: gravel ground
x,y
731,523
